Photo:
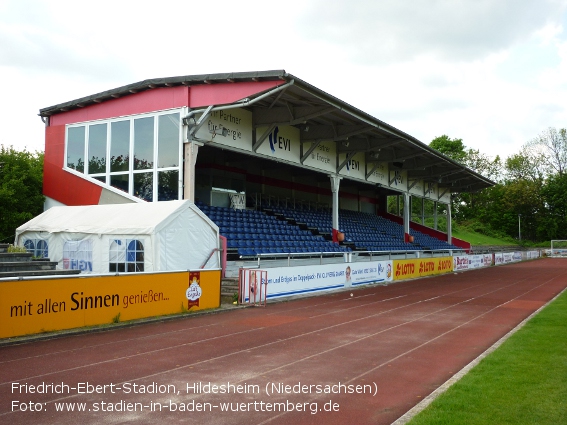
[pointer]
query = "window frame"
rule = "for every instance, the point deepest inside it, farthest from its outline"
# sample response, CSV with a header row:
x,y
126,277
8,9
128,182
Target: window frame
x,y
125,265
36,249
104,179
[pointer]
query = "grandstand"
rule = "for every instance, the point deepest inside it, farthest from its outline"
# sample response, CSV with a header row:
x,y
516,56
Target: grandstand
x,y
204,138
282,230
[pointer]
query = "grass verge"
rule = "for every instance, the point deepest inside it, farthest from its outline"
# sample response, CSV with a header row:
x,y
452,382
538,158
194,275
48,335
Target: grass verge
x,y
478,239
522,382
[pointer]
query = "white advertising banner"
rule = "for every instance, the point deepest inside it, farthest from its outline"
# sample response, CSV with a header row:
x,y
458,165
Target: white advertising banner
x,y
530,255
288,281
380,174
282,143
476,261
469,262
445,195
512,257
417,188
355,167
399,180
460,262
323,157
431,190
498,258
238,125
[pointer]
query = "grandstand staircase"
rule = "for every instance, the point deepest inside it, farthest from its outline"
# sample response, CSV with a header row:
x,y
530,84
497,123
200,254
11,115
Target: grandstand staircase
x,y
22,264
229,287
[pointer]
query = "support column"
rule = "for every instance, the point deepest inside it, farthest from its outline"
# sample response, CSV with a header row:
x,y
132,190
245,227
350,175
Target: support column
x,y
191,150
407,212
449,228
335,182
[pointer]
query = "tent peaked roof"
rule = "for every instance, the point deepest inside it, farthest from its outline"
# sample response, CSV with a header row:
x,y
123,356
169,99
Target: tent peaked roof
x,y
134,218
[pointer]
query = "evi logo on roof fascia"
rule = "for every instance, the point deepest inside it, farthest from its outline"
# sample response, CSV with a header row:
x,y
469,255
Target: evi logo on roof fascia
x,y
278,142
282,142
353,164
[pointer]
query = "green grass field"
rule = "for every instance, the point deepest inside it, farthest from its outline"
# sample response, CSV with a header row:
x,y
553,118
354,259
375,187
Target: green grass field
x,y
478,239
523,382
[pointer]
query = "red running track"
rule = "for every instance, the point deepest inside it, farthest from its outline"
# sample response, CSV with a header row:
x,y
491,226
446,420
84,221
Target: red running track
x,y
332,359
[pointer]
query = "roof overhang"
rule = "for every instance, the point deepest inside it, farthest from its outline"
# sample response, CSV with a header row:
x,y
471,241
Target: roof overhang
x,y
326,118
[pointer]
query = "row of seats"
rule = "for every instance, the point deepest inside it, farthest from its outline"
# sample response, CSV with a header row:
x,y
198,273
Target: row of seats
x,y
312,246
274,237
252,231
366,231
253,252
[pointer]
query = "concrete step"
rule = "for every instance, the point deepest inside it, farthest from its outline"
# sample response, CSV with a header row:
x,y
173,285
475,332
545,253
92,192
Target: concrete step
x,y
229,287
15,256
4,247
17,266
39,273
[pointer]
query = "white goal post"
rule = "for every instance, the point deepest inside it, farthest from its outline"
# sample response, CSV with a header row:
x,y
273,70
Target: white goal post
x,y
558,248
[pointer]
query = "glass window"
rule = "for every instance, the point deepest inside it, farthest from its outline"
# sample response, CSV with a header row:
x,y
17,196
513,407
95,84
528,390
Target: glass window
x,y
29,244
168,185
139,155
41,249
126,255
97,149
76,148
168,140
117,256
78,255
135,256
120,146
143,143
120,181
144,186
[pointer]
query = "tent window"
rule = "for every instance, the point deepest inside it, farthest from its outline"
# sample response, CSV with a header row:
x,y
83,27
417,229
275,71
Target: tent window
x,y
78,255
126,256
36,247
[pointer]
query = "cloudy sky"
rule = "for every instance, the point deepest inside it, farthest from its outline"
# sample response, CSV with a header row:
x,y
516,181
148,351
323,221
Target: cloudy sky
x,y
491,72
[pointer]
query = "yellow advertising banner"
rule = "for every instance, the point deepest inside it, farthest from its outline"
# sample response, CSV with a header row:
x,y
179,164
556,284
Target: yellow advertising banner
x,y
43,305
407,269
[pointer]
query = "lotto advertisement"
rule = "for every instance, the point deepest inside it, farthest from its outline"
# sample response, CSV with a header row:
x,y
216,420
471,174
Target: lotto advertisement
x,y
408,269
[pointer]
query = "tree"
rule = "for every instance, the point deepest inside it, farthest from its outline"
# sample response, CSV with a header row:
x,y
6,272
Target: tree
x,y
21,198
483,164
554,193
453,148
526,165
551,147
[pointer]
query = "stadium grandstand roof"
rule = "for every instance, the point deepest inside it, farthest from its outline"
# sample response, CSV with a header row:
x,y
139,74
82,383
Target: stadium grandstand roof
x,y
321,117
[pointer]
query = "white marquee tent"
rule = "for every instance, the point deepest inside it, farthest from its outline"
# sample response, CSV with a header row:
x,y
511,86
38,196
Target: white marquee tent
x,y
155,236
